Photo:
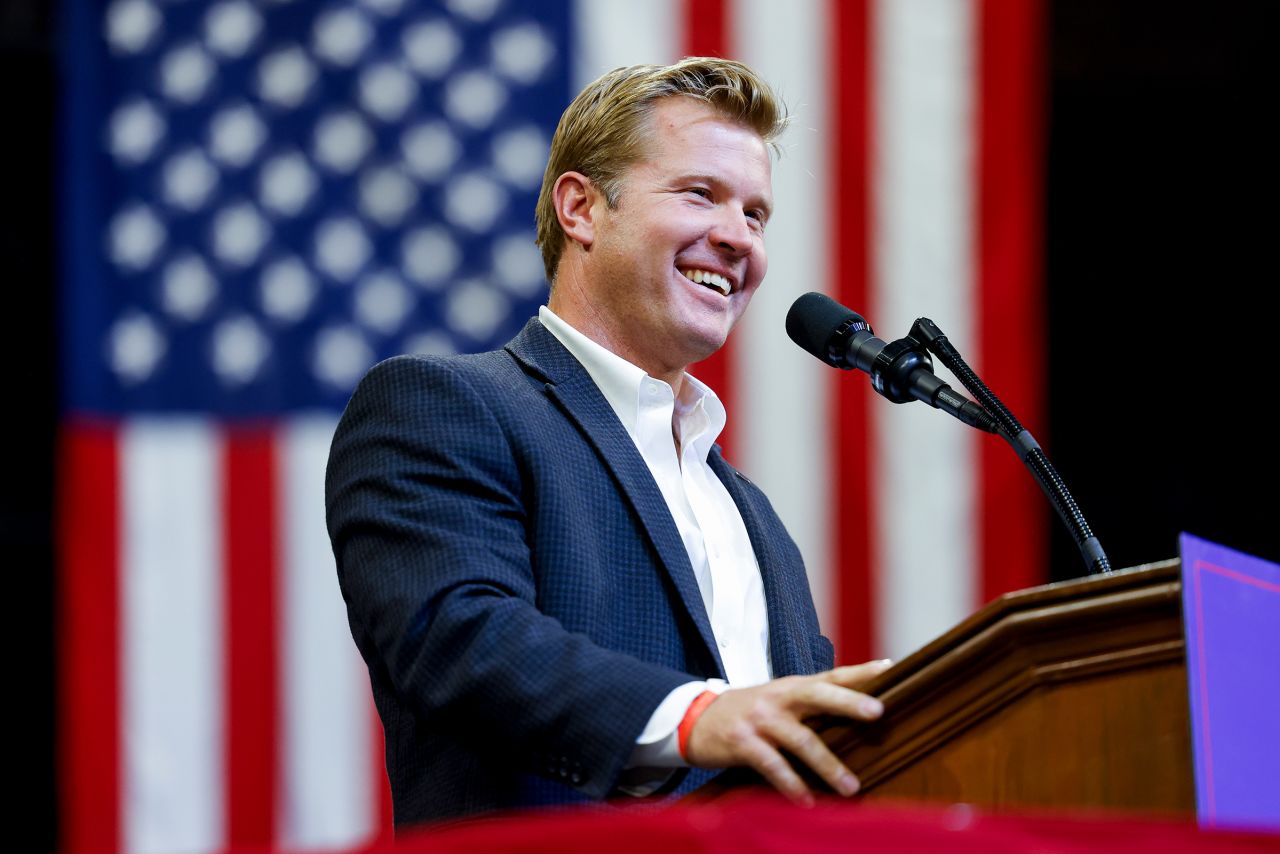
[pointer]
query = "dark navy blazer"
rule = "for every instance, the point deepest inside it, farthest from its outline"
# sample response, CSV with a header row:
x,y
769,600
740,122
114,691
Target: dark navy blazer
x,y
516,583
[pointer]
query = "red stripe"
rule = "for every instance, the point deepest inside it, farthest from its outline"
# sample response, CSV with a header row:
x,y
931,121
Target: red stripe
x,y
88,524
1011,92
383,813
706,33
250,579
706,28
853,579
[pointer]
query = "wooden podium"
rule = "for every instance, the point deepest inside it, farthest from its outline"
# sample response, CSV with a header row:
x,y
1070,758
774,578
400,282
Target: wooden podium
x,y
1071,695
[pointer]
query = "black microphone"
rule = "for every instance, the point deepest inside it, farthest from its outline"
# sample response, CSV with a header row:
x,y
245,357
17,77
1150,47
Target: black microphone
x,y
900,371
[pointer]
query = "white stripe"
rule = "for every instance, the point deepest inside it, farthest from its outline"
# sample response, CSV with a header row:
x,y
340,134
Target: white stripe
x,y
926,462
613,33
329,771
172,637
781,415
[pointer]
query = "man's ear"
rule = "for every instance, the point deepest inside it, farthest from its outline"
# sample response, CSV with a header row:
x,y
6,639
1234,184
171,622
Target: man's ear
x,y
575,197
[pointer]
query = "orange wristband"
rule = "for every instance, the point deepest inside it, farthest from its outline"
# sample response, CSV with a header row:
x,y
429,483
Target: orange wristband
x,y
691,715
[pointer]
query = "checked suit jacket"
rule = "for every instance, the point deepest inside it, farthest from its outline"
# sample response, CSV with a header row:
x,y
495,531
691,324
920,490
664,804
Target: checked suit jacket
x,y
516,583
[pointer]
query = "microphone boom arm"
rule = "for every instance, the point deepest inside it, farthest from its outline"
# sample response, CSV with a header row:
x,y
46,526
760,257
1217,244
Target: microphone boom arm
x,y
901,371
1020,439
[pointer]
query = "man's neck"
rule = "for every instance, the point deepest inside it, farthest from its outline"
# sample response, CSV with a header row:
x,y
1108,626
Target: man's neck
x,y
573,306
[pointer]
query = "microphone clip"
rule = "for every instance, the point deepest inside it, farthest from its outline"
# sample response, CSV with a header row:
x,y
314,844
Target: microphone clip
x,y
895,364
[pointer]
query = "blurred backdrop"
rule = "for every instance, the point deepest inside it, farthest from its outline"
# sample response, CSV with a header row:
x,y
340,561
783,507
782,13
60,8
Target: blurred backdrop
x,y
219,213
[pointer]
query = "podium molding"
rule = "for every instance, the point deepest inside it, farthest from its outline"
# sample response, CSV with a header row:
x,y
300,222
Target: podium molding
x,y
1069,695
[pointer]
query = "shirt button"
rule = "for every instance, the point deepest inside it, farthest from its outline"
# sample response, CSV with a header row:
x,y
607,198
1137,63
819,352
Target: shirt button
x,y
724,643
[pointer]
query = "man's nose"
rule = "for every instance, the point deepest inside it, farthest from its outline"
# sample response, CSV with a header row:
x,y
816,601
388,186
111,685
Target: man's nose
x,y
730,232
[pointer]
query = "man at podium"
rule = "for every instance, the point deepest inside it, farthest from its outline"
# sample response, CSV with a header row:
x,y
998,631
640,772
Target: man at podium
x,y
561,589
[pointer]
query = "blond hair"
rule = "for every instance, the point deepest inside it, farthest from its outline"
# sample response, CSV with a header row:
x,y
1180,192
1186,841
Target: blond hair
x,y
605,129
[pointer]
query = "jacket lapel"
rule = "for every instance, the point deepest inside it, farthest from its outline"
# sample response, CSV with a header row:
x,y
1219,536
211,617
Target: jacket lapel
x,y
573,390
785,627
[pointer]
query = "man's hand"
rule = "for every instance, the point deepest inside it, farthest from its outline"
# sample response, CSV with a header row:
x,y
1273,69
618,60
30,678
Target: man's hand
x,y
747,726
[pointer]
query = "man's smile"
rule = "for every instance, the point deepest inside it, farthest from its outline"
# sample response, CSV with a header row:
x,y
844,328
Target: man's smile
x,y
708,278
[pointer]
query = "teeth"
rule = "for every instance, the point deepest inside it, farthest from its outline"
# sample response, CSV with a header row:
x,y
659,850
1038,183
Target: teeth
x,y
703,277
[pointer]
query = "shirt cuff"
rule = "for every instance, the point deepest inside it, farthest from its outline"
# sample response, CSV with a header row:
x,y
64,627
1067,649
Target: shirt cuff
x,y
657,751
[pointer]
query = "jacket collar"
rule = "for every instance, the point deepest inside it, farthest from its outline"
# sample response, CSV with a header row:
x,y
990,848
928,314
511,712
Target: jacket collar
x,y
568,384
785,651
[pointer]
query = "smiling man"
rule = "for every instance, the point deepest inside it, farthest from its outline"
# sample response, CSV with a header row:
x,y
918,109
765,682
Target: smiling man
x,y
561,589
660,273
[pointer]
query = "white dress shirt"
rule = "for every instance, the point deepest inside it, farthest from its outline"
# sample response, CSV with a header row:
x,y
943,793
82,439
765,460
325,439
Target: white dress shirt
x,y
708,521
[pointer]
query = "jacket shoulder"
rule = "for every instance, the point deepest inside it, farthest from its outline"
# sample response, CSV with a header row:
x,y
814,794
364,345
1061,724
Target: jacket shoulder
x,y
414,377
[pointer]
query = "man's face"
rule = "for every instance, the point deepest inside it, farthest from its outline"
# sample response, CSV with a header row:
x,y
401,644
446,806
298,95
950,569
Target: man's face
x,y
695,207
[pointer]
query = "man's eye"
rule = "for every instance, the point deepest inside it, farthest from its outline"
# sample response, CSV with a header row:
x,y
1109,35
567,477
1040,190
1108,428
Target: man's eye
x,y
700,191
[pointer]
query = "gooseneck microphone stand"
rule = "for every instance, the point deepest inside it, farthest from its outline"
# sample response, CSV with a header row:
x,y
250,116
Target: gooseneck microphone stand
x,y
925,335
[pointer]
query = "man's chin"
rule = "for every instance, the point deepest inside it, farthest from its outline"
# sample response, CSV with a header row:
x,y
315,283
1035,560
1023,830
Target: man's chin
x,y
706,346
692,342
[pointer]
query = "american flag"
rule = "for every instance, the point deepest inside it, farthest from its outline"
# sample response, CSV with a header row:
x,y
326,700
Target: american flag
x,y
262,199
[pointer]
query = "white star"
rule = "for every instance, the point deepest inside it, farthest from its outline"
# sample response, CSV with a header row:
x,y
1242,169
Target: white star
x,y
132,25
188,180
430,47
517,264
239,350
386,195
288,290
474,98
285,77
341,36
188,287
384,7
235,134
136,235
475,309
239,233
185,73
475,10
474,201
341,141
341,357
135,346
522,52
286,184
429,344
382,302
429,149
520,156
386,91
342,248
231,26
429,256
136,129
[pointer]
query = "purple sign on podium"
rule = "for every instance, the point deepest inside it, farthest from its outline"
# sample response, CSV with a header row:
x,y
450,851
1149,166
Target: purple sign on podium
x,y
1231,609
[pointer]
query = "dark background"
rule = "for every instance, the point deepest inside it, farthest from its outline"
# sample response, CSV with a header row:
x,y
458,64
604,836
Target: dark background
x,y
1159,179
1159,185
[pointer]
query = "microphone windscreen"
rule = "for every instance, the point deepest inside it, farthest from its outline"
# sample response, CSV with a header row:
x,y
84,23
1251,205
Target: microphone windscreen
x,y
813,320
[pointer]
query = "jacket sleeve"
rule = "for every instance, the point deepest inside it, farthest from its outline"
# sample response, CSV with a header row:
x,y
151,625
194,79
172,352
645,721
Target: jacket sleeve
x,y
425,513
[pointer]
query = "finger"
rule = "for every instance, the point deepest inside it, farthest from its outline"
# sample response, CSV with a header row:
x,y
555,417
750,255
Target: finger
x,y
855,675
816,697
806,746
771,765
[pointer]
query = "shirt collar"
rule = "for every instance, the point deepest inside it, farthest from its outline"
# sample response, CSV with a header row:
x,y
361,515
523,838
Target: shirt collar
x,y
622,384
